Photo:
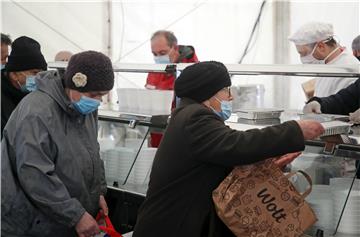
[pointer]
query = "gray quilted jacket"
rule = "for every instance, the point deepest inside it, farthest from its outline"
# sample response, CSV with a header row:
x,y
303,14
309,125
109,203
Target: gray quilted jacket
x,y
51,171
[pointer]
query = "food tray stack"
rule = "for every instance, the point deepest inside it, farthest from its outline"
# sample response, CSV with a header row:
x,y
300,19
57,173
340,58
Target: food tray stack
x,y
255,114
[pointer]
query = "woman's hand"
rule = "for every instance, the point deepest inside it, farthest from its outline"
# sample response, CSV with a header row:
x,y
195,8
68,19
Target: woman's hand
x,y
103,206
87,226
282,161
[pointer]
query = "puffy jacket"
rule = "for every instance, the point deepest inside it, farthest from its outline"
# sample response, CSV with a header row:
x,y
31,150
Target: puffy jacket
x,y
51,171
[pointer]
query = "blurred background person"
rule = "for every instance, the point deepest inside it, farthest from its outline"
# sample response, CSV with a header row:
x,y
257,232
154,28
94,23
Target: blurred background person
x,y
316,44
356,47
18,77
5,44
165,48
63,56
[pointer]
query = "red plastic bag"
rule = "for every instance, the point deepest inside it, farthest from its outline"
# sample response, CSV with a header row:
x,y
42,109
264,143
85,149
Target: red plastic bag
x,y
108,228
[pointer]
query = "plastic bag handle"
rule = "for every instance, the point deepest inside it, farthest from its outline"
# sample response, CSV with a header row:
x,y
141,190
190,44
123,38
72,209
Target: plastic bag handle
x,y
109,228
307,177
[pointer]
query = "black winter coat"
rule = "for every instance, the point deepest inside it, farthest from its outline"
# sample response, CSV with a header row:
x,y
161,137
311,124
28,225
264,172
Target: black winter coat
x,y
344,102
196,153
10,98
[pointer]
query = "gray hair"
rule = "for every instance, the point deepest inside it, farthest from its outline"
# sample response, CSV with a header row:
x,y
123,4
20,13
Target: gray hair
x,y
356,43
169,36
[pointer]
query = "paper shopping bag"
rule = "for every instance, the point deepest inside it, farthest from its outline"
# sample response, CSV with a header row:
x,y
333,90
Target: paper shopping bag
x,y
259,201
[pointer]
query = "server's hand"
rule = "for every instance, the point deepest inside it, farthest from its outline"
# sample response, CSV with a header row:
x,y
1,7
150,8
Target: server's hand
x,y
311,129
312,107
87,226
355,117
103,206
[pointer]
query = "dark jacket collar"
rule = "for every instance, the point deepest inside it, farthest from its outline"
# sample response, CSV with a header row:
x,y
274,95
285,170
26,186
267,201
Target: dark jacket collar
x,y
187,101
8,89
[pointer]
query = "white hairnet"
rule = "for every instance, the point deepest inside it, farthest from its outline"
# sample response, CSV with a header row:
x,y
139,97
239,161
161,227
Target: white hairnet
x,y
312,32
356,43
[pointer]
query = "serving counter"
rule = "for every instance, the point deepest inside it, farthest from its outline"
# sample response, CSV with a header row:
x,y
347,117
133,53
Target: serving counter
x,y
128,162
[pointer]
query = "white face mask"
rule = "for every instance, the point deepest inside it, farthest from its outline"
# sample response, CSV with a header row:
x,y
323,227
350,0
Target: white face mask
x,y
309,59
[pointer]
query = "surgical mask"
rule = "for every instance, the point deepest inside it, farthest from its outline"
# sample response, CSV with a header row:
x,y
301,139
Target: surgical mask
x,y
310,59
86,105
2,66
163,59
30,84
226,109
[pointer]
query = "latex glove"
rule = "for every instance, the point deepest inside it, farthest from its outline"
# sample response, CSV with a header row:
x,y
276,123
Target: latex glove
x,y
284,160
312,107
87,226
103,206
355,117
311,129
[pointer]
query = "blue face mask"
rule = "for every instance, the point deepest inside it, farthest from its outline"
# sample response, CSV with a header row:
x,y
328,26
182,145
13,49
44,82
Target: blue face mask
x,y
86,105
163,59
30,84
2,66
226,109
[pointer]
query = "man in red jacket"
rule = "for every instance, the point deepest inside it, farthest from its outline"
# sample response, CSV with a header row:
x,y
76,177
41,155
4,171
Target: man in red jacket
x,y
166,50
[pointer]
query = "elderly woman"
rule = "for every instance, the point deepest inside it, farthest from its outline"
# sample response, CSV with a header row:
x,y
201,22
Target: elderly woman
x,y
52,176
198,151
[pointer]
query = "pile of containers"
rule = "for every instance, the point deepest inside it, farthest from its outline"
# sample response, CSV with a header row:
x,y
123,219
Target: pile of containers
x,y
328,201
144,101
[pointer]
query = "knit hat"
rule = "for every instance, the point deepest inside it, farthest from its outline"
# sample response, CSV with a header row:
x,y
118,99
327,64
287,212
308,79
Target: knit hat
x,y
89,71
202,80
25,55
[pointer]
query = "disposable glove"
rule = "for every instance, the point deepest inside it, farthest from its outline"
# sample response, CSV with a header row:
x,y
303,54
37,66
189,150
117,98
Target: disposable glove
x,y
312,107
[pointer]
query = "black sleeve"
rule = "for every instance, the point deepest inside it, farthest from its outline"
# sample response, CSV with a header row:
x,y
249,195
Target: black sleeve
x,y
210,140
344,102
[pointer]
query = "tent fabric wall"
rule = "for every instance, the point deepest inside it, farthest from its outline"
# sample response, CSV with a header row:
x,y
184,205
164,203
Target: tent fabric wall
x,y
218,29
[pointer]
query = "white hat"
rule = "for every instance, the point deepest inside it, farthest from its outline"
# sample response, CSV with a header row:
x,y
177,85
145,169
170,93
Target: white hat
x,y
312,32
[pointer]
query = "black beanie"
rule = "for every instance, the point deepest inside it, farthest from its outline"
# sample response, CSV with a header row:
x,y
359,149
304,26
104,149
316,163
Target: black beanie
x,y
89,71
202,80
25,55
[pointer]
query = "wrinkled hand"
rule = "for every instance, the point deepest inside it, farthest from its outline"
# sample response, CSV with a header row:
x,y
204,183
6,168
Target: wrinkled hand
x,y
284,160
103,206
312,107
311,129
355,117
87,226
